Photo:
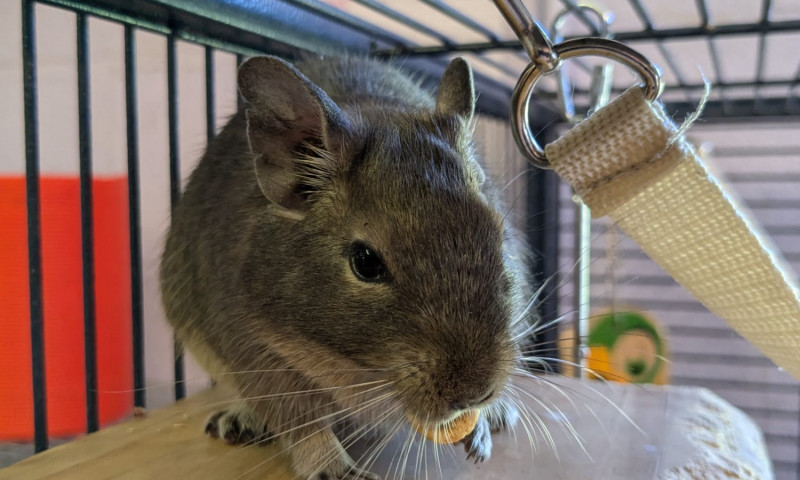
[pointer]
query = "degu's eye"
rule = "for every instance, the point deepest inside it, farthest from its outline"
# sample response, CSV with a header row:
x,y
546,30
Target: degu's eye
x,y
366,264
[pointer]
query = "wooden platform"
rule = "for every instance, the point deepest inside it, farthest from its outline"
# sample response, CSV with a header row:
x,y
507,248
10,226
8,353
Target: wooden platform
x,y
680,433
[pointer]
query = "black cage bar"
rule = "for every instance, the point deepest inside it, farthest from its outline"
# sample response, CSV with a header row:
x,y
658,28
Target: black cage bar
x,y
87,222
174,183
132,137
34,222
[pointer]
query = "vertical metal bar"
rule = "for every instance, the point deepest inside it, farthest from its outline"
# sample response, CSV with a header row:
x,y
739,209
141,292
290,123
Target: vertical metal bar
x,y
601,87
132,127
702,10
581,15
791,99
87,222
239,99
766,6
642,14
172,101
760,61
211,100
797,470
599,94
718,73
34,223
174,183
211,128
581,282
674,67
644,17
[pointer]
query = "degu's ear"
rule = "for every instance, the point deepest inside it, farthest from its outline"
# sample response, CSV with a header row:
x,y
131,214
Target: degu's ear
x,y
292,127
457,90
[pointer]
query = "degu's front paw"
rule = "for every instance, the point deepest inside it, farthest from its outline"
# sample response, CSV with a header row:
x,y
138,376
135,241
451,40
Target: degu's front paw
x,y
237,426
478,444
501,416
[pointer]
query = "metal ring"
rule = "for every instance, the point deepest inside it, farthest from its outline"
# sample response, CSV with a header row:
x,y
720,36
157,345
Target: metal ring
x,y
579,47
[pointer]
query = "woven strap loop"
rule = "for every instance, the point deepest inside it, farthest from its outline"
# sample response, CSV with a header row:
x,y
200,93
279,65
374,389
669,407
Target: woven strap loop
x,y
628,162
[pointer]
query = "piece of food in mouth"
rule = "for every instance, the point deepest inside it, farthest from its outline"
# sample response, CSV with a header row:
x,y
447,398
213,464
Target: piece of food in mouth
x,y
448,432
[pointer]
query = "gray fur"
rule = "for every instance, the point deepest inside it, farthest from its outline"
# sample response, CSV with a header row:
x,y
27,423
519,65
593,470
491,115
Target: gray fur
x,y
255,274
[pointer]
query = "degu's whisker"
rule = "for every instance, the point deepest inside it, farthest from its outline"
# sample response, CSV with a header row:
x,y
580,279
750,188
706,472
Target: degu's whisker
x,y
534,298
278,432
565,424
537,360
420,446
438,460
529,423
584,368
372,456
154,386
368,404
315,409
547,380
559,389
339,399
567,360
544,380
383,383
392,431
506,413
616,407
599,394
523,421
315,432
399,453
405,451
336,371
354,437
540,421
533,423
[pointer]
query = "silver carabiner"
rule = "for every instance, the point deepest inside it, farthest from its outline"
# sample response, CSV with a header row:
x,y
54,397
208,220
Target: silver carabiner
x,y
546,58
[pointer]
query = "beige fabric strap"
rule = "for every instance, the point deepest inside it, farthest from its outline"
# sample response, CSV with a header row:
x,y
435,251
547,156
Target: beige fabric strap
x,y
628,162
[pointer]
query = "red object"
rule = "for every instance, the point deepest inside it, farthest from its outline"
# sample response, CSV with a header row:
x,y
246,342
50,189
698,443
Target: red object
x,y
62,287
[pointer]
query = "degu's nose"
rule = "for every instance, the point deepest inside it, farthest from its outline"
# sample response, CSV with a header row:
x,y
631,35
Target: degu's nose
x,y
465,403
